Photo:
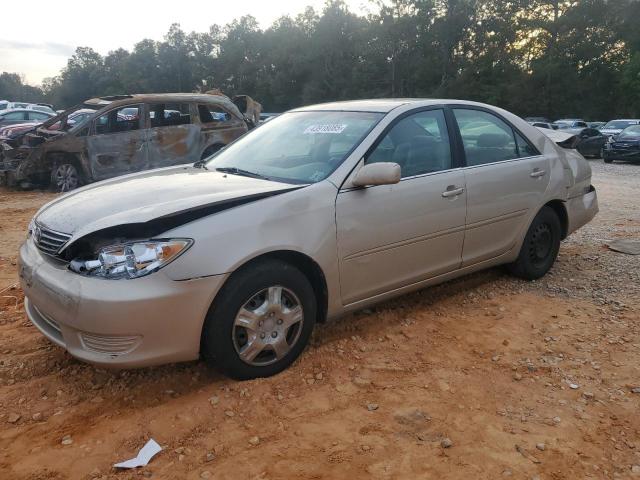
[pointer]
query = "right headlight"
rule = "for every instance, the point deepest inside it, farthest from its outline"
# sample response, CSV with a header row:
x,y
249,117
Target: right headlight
x,y
131,260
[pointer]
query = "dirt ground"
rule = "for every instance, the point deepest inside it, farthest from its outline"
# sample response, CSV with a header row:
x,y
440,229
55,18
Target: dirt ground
x,y
526,380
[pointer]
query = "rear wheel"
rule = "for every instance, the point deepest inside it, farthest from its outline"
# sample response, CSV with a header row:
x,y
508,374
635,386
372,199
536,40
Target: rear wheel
x,y
607,160
260,322
540,247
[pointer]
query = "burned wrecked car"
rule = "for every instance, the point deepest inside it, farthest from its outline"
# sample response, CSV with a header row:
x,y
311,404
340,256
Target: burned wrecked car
x,y
126,134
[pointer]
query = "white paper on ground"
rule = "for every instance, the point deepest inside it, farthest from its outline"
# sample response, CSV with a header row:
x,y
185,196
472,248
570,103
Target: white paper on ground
x,y
145,454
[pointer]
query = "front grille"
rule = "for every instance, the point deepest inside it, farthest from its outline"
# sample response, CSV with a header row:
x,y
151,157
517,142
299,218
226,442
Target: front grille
x,y
49,241
109,344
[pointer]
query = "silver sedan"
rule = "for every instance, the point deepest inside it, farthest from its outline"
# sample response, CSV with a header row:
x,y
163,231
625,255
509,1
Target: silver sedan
x,y
321,211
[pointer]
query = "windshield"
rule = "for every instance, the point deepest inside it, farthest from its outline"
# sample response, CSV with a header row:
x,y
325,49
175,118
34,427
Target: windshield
x,y
630,132
297,147
618,124
71,118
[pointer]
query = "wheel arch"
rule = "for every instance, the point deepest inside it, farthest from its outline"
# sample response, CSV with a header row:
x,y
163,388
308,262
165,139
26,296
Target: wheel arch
x,y
307,265
558,206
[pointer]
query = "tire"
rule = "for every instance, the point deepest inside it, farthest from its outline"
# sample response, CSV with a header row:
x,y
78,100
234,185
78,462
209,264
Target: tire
x,y
540,247
246,299
65,176
607,160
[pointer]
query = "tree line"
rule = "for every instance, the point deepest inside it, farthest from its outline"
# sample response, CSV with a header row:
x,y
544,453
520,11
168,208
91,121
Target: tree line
x,y
534,57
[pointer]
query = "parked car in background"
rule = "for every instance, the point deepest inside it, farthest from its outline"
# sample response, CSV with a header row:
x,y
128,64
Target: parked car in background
x,y
591,142
41,108
537,119
322,211
570,123
12,134
546,125
596,125
624,146
125,134
614,127
588,141
22,115
4,104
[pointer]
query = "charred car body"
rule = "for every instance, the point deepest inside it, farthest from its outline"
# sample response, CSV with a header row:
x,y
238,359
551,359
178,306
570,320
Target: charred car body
x,y
126,134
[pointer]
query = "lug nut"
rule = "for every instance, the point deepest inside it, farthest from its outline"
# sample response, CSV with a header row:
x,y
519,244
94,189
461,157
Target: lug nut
x,y
260,323
279,321
274,334
262,335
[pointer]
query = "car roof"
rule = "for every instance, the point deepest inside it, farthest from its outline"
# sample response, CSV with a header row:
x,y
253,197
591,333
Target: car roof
x,y
154,97
382,105
17,110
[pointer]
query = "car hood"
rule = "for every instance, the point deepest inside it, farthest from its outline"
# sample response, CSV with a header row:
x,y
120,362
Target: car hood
x,y
146,196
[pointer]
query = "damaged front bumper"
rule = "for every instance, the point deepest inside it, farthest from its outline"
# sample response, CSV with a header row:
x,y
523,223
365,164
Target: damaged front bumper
x,y
115,323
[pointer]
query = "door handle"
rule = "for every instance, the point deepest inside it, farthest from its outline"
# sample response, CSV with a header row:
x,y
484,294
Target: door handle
x,y
537,173
452,191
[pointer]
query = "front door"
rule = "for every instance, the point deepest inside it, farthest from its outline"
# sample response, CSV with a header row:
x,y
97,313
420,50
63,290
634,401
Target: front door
x,y
118,143
391,236
506,179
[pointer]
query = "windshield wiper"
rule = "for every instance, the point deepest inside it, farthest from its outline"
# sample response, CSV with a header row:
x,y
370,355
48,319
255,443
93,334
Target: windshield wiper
x,y
239,171
201,164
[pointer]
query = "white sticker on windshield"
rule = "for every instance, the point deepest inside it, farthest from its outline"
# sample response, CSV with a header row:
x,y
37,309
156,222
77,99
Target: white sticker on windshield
x,y
331,128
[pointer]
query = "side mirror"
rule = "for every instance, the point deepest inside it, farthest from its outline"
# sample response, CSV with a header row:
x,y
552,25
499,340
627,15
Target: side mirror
x,y
383,173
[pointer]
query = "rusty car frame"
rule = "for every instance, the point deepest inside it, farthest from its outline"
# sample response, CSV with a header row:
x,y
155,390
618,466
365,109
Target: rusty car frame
x,y
126,134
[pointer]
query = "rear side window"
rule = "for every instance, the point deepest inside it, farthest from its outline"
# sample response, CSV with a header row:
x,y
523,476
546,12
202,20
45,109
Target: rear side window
x,y
169,114
213,114
15,116
488,139
123,119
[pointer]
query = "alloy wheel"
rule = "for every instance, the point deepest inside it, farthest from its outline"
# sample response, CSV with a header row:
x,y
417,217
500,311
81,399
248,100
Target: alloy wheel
x,y
65,177
267,326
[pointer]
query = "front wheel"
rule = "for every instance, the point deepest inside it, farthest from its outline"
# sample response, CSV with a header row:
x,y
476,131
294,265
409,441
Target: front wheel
x,y
65,177
540,247
260,322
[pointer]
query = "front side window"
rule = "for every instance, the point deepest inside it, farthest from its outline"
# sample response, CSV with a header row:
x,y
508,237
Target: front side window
x,y
119,120
296,147
169,114
488,139
418,143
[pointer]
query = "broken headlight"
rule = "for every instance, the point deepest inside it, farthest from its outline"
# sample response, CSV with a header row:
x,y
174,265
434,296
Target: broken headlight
x,y
131,260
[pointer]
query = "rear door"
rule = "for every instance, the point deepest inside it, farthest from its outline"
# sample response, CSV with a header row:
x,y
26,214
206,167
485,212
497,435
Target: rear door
x,y
173,138
390,236
506,178
118,143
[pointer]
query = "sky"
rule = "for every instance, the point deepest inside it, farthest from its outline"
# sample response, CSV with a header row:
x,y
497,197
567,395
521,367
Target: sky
x,y
43,34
